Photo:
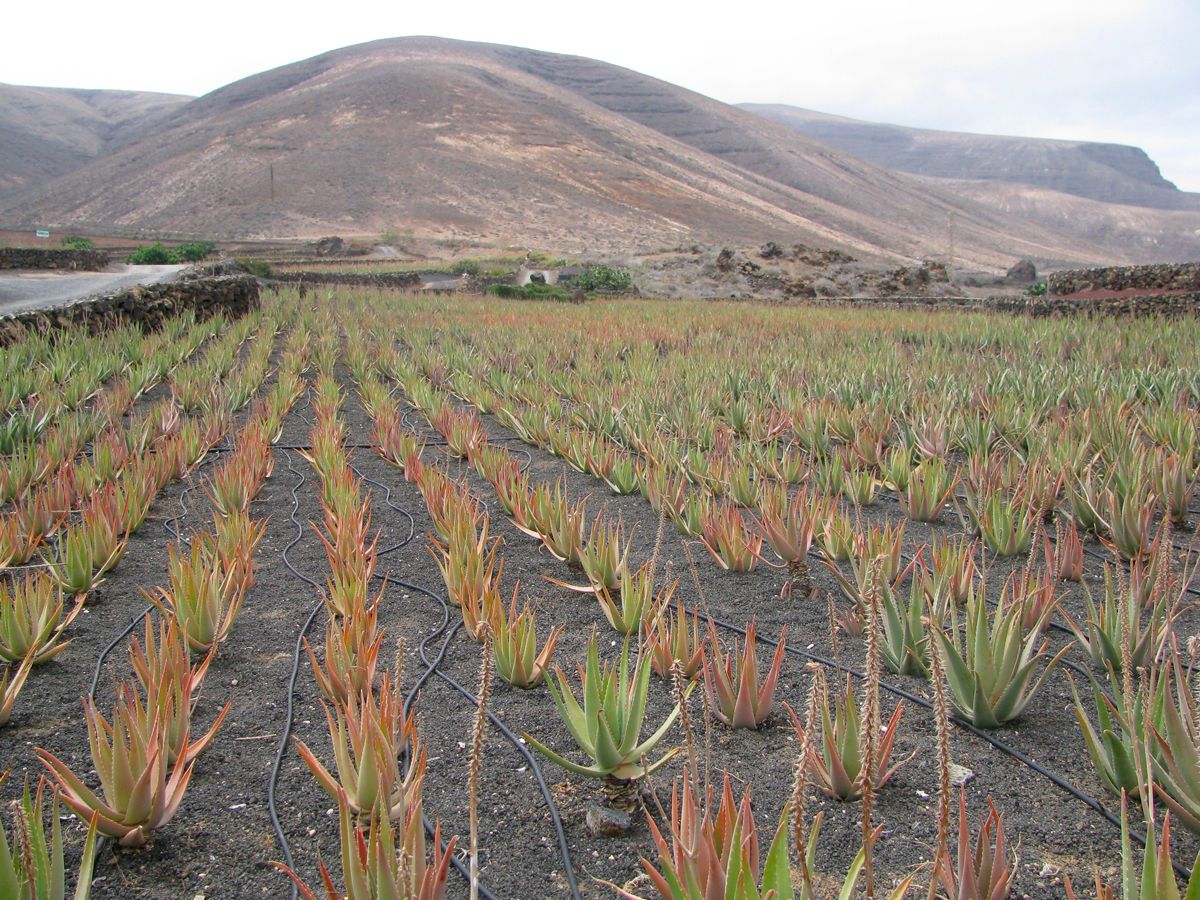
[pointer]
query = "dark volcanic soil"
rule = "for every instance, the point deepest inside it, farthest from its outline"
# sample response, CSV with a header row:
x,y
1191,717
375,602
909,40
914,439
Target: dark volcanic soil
x,y
221,843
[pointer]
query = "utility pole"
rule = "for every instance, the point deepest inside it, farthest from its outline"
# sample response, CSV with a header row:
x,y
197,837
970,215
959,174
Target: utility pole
x,y
271,172
950,238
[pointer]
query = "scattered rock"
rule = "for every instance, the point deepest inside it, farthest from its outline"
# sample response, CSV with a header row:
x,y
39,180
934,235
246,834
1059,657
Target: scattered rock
x,y
801,288
770,250
960,776
1023,271
330,246
725,260
607,821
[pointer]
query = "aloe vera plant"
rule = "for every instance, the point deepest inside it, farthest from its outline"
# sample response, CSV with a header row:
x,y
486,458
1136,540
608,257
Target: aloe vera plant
x,y
13,680
1006,524
733,544
1120,619
382,861
904,643
75,565
636,603
607,727
670,641
714,851
369,734
514,642
1115,741
991,673
836,762
1156,878
31,619
930,485
130,756
32,867
984,872
202,599
171,685
737,696
791,527
351,655
1173,751
604,557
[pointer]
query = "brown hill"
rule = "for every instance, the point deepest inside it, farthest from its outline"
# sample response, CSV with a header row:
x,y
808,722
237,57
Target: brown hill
x,y
1110,173
486,142
48,132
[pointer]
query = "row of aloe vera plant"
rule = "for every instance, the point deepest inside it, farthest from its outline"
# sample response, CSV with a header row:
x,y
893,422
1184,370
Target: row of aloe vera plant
x,y
1063,558
89,510
383,848
715,850
144,755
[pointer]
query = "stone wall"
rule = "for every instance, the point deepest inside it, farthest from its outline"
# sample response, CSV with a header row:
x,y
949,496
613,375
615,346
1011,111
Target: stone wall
x,y
1166,277
403,280
1168,305
1173,305
148,306
22,258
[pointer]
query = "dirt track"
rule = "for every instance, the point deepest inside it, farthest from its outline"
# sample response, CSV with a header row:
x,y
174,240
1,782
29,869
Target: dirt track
x,y
25,290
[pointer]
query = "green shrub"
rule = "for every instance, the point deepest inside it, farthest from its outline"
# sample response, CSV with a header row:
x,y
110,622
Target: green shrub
x,y
154,255
603,278
527,292
75,242
466,267
193,251
257,267
1036,290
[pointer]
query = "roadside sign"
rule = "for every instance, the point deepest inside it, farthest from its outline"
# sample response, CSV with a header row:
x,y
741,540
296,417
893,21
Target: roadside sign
x,y
42,233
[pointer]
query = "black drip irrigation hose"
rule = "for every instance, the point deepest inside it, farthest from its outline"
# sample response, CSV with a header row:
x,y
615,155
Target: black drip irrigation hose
x,y
980,733
410,698
277,763
170,525
1011,752
433,668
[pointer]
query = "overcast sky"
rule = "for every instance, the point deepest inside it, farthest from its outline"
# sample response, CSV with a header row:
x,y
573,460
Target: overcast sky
x,y
1126,71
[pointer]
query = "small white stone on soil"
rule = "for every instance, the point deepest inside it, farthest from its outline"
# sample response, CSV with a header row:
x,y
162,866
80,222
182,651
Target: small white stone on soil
x,y
960,775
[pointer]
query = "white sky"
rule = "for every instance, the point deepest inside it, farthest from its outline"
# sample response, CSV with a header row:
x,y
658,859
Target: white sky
x,y
1125,71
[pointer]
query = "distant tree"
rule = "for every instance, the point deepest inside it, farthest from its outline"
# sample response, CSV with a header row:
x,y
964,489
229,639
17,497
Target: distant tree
x,y
194,251
75,242
154,255
603,278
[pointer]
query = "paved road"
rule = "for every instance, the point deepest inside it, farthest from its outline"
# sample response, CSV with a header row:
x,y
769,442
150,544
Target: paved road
x,y
26,290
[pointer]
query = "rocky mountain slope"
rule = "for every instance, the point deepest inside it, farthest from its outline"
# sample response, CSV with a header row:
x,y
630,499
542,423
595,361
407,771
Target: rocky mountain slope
x,y
490,143
48,132
1110,173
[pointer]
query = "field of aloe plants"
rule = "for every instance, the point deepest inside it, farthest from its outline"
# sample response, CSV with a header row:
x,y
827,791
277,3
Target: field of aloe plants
x,y
373,596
